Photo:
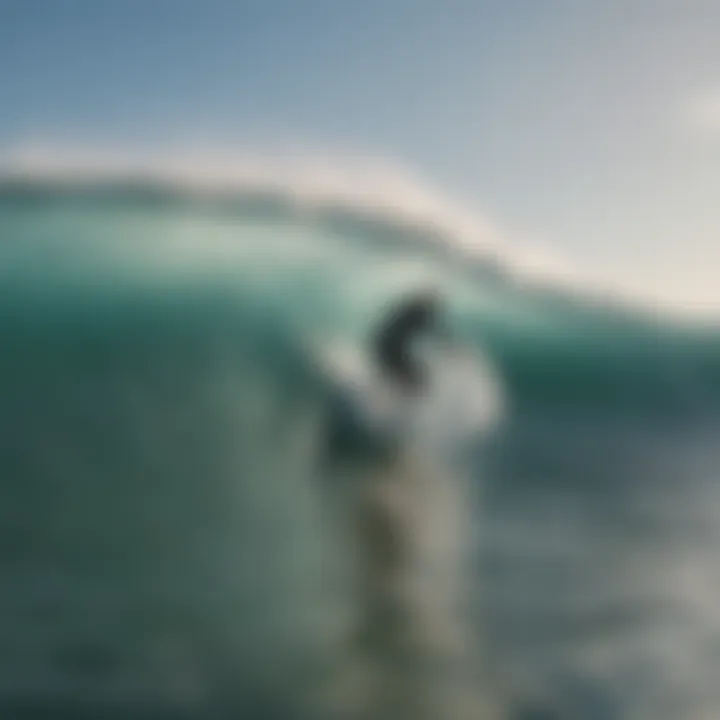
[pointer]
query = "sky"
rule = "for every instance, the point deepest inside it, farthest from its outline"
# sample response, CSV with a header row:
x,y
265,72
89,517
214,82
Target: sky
x,y
591,128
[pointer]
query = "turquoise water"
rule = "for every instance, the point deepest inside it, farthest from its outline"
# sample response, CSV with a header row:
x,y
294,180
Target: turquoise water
x,y
168,547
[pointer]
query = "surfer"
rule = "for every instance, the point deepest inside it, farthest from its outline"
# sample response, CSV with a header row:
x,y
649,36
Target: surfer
x,y
392,350
393,343
404,634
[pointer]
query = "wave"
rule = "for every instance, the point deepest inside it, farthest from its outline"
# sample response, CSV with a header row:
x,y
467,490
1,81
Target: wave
x,y
162,418
363,198
345,247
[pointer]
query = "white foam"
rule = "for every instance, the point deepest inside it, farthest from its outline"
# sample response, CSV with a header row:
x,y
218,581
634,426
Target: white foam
x,y
378,187
370,186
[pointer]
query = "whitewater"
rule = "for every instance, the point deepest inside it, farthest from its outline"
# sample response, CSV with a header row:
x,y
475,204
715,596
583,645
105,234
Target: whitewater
x,y
175,543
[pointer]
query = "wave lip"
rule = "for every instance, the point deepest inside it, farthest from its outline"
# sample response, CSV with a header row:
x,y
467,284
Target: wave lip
x,y
349,194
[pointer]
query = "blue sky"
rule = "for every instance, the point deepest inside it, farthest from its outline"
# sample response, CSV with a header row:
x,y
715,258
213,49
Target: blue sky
x,y
590,127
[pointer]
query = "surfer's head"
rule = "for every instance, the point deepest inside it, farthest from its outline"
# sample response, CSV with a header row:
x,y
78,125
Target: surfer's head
x,y
410,318
429,297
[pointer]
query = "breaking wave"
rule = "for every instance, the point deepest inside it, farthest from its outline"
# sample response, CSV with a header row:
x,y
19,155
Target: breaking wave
x,y
168,546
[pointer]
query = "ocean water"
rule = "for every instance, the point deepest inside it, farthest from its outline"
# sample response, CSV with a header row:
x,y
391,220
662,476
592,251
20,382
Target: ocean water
x,y
175,542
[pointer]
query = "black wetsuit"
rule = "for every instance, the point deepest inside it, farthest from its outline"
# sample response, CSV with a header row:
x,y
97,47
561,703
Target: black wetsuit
x,y
392,344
